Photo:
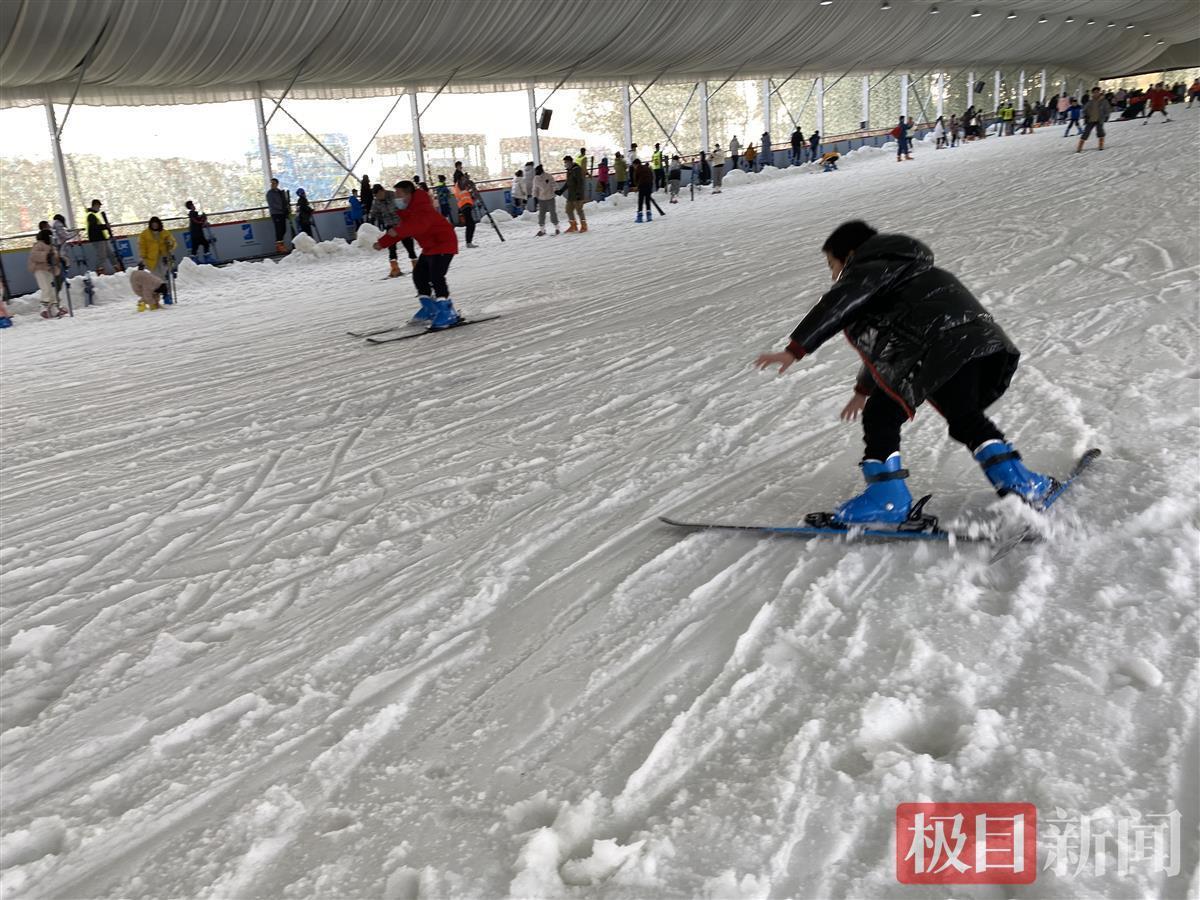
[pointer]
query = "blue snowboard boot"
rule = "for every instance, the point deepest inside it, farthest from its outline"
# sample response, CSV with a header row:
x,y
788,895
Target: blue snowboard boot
x,y
1003,467
639,218
649,216
425,313
886,499
444,314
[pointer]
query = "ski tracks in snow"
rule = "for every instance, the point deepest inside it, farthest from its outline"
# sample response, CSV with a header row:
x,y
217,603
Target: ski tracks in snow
x,y
289,614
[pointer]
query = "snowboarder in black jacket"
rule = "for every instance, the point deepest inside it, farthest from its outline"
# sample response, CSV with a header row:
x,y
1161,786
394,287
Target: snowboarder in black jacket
x,y
922,336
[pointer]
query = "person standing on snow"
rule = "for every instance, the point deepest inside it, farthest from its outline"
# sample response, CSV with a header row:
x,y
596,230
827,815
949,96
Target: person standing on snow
x,y
901,134
764,150
464,193
545,190
1158,96
656,163
718,167
735,149
45,265
366,196
602,173
1074,111
814,146
922,336
304,212
572,190
156,247
385,215
621,174
197,236
99,235
420,222
517,191
1095,113
643,180
280,210
529,198
797,146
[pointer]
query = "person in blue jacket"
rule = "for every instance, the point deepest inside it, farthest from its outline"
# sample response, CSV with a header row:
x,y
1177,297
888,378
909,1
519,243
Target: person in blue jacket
x,y
356,212
902,140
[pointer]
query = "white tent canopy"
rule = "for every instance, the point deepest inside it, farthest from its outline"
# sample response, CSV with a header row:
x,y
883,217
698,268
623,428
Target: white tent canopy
x,y
138,52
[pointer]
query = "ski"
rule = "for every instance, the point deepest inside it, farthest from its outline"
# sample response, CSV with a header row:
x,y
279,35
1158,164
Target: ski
x,y
371,332
391,339
919,528
1027,533
872,535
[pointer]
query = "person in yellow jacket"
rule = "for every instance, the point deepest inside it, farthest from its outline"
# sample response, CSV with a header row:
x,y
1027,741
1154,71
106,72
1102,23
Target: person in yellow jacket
x,y
156,246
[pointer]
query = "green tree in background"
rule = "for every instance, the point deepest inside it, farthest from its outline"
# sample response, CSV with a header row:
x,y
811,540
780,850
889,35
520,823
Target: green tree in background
x,y
728,113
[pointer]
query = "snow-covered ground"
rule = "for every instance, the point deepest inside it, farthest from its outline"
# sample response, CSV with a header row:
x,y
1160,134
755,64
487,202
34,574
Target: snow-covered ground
x,y
287,615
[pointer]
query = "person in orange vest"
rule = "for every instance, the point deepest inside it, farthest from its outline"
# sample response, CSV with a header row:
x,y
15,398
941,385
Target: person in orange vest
x,y
464,193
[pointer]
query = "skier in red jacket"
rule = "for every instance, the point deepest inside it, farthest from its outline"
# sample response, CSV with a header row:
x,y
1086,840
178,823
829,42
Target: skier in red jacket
x,y
439,244
1159,96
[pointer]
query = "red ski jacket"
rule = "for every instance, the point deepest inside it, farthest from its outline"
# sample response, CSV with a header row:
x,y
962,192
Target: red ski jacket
x,y
425,225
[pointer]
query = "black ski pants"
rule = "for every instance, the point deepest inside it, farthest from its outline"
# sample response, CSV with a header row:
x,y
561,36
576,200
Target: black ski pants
x,y
644,192
468,218
408,245
280,226
429,274
957,400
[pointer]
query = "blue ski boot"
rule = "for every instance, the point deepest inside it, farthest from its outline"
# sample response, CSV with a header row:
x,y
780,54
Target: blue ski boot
x,y
5,322
1003,467
886,499
444,315
649,216
425,313
639,218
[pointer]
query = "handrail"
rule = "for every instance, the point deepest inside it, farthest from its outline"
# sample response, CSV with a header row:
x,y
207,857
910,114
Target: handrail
x,y
128,229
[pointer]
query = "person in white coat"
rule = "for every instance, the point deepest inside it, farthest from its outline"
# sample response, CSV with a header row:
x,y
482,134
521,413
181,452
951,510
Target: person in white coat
x,y
717,160
518,192
939,134
735,150
530,200
545,193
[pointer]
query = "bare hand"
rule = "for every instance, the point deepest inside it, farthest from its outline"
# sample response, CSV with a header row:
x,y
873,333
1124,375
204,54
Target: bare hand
x,y
377,246
851,410
784,360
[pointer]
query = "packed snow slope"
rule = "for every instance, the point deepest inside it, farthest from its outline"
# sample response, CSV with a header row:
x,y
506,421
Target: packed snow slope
x,y
289,615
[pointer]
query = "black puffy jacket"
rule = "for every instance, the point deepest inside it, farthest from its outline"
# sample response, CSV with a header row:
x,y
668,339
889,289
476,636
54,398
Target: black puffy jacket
x,y
914,325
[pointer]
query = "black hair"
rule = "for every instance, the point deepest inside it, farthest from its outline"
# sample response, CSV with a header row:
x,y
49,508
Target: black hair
x,y
59,217
847,238
538,170
375,188
154,219
45,236
406,186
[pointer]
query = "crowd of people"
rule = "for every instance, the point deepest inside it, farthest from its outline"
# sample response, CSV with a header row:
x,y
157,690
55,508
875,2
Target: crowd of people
x,y
534,189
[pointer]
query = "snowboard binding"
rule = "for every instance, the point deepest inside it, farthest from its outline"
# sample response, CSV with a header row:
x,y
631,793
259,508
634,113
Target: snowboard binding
x,y
917,519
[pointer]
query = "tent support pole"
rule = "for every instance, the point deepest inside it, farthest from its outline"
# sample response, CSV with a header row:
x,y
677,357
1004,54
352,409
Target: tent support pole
x,y
60,166
819,89
535,144
418,141
626,119
703,87
264,143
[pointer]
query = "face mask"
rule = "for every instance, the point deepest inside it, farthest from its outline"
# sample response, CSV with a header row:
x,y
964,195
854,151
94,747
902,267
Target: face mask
x,y
401,202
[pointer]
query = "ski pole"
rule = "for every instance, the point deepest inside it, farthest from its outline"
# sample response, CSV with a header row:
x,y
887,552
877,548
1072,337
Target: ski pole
x,y
486,212
112,240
